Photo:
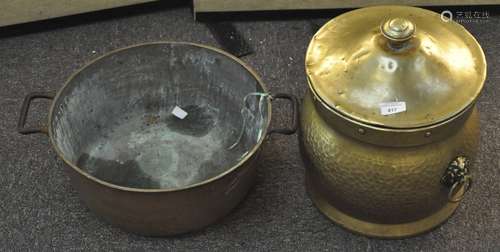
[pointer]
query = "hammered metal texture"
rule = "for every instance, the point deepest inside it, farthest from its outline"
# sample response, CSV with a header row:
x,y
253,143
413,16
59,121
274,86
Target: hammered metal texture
x,y
387,185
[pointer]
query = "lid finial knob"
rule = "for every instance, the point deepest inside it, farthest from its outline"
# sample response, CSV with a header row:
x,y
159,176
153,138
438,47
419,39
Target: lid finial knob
x,y
398,29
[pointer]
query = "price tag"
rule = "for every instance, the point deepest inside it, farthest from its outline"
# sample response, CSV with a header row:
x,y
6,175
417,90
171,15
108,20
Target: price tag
x,y
179,113
389,108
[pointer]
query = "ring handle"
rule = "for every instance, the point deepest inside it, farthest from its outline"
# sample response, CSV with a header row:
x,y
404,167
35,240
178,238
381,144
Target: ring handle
x,y
295,114
463,185
457,179
24,113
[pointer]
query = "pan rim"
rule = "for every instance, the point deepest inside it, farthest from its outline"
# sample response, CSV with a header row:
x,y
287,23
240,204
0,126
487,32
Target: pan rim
x,y
233,168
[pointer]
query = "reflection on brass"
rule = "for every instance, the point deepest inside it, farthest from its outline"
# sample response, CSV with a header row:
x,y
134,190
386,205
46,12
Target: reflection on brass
x,y
379,172
398,29
261,5
352,67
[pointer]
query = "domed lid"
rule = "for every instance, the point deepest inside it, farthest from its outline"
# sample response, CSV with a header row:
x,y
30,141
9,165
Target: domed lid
x,y
395,66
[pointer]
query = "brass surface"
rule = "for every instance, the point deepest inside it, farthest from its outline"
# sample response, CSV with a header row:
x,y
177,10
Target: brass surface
x,y
398,29
379,190
387,136
377,230
353,66
68,82
164,213
161,212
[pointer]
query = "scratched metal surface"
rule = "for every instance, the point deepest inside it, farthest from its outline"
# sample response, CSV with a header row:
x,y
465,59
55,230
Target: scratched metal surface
x,y
114,119
41,211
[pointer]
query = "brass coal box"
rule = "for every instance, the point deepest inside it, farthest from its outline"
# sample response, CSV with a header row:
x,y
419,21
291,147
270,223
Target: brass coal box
x,y
389,127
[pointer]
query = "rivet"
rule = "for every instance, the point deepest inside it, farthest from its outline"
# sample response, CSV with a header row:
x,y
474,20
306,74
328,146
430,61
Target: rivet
x,y
427,134
361,131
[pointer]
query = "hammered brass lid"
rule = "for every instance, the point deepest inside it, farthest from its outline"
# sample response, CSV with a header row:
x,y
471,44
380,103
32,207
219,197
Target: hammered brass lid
x,y
366,61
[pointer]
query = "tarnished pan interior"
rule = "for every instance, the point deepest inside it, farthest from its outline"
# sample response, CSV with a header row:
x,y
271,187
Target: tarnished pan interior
x,y
113,119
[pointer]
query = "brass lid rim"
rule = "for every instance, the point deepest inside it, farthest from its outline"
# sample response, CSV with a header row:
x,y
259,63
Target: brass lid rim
x,y
364,119
379,127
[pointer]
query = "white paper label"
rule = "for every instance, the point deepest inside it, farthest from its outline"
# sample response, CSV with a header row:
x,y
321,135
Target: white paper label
x,y
179,113
389,108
